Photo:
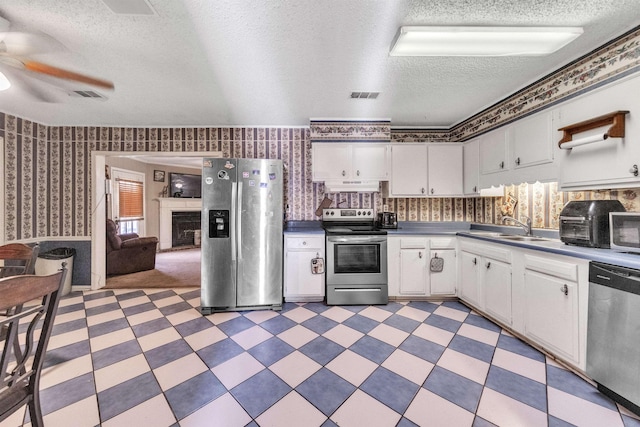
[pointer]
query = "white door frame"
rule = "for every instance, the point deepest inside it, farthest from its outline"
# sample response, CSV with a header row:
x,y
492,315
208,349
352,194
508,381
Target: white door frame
x,y
98,200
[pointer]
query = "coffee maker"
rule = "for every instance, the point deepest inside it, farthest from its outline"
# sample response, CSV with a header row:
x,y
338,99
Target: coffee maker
x,y
387,220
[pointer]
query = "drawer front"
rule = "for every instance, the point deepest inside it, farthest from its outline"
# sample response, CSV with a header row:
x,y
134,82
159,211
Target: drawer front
x,y
552,267
413,243
443,243
308,242
489,251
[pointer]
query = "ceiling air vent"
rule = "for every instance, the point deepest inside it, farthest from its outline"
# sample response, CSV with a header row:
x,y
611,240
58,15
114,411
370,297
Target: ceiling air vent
x,y
364,95
87,94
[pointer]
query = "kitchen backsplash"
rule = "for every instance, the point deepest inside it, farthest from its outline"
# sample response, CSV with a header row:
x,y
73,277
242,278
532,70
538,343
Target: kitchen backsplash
x,y
542,202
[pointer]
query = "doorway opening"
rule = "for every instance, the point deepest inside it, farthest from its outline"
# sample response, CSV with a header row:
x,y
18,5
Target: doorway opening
x,y
99,199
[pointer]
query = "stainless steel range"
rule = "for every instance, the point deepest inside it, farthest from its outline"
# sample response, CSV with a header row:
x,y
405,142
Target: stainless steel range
x,y
356,270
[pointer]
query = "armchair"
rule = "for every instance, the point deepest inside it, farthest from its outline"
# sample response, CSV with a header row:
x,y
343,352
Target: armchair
x,y
129,253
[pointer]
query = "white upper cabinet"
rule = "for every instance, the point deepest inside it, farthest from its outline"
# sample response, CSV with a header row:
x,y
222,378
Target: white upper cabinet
x,y
471,168
426,170
609,163
357,161
532,141
408,170
445,170
369,161
522,151
493,152
331,161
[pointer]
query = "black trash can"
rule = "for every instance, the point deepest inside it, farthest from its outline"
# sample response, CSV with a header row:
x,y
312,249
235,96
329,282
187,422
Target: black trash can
x,y
51,261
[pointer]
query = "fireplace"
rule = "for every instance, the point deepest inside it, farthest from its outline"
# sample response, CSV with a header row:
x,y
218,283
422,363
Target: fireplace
x,y
169,205
185,228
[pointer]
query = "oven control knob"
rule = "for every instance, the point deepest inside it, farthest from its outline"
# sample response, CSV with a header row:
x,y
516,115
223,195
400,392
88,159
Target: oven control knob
x,y
359,213
369,213
332,213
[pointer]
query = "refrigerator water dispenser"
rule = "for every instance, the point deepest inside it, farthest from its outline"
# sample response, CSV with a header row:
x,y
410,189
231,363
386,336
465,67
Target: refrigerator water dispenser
x,y
218,223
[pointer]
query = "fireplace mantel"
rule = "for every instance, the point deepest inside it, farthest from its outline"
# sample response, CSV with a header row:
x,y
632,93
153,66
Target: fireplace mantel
x,y
168,205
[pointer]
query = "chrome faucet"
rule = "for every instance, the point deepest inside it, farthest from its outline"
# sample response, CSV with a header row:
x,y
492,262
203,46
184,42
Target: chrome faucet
x,y
526,227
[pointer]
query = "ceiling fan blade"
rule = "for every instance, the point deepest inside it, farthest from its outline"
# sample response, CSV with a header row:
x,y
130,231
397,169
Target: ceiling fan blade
x,y
39,67
23,44
33,89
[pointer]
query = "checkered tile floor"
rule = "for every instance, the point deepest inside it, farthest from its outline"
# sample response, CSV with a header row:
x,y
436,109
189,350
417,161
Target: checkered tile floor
x,y
148,358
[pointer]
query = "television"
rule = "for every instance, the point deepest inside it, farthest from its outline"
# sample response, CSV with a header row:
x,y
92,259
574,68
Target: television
x,y
185,185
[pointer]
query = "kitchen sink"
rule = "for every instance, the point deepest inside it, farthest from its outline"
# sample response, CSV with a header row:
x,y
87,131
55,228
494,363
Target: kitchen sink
x,y
510,237
520,238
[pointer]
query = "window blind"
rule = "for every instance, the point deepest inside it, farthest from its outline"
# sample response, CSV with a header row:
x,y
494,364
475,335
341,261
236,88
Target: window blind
x,y
130,199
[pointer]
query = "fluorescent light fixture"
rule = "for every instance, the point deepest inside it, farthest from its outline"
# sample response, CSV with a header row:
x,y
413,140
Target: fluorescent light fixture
x,y
481,41
4,82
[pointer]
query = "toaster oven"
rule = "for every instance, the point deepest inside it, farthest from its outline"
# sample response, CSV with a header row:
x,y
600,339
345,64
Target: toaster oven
x,y
586,222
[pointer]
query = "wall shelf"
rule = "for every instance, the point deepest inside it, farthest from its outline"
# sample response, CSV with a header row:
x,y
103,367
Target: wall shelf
x,y
615,119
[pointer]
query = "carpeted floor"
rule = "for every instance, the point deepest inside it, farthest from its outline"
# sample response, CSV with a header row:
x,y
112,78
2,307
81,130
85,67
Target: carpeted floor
x,y
174,269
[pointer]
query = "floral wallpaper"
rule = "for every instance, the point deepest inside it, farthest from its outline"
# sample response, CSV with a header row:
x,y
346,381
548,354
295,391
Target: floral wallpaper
x,y
543,202
350,130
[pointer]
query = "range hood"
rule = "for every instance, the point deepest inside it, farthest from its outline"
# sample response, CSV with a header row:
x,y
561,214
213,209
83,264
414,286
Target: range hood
x,y
362,186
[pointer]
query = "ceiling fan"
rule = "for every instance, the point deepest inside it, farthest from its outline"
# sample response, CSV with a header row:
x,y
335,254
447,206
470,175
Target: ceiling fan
x,y
15,63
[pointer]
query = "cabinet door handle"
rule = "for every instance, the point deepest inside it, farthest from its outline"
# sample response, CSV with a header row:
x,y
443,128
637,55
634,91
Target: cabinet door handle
x,y
634,170
420,254
475,189
488,265
432,191
344,173
475,261
518,161
358,173
564,289
422,190
502,165
304,243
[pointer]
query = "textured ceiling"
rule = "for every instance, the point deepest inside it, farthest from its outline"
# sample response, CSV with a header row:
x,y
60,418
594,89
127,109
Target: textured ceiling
x,y
280,63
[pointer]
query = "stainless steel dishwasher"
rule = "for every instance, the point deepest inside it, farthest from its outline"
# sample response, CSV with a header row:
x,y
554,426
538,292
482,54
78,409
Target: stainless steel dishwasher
x,y
613,332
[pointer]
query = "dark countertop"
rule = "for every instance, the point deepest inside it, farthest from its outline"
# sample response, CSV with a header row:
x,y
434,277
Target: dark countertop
x,y
552,244
303,227
555,246
430,228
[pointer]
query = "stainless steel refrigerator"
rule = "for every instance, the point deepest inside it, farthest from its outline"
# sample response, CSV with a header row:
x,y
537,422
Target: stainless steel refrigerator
x,y
241,235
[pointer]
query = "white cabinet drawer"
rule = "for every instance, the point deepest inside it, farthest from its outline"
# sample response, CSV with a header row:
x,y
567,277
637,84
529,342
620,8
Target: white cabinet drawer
x,y
560,269
413,243
315,242
495,252
443,243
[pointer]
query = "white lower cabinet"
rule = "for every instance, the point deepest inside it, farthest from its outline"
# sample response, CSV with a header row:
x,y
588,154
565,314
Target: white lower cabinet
x,y
300,283
552,306
538,295
497,289
413,271
485,279
443,282
409,266
470,279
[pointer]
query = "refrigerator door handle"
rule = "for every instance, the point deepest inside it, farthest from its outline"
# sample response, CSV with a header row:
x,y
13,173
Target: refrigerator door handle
x,y
239,235
232,231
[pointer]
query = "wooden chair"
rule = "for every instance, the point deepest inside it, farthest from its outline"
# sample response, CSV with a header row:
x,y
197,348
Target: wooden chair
x,y
28,300
18,259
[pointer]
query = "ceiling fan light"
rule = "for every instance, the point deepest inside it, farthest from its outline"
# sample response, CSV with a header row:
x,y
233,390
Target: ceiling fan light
x,y
481,41
4,82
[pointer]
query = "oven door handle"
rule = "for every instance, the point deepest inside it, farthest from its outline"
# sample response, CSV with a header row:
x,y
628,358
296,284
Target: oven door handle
x,y
357,239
